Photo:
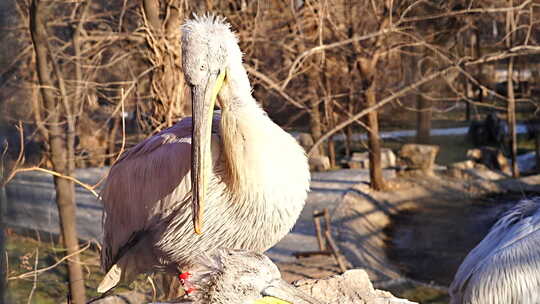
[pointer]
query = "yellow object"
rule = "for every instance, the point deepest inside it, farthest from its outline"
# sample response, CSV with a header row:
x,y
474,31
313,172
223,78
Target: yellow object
x,y
217,88
270,300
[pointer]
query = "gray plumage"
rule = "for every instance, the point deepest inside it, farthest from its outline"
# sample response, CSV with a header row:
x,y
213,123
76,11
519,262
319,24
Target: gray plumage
x,y
241,277
251,190
505,266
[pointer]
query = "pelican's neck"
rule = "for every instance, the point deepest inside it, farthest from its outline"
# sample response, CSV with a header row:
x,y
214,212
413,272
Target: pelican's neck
x,y
239,112
237,89
256,150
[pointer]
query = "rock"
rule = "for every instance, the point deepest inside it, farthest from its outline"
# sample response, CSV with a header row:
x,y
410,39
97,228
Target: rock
x,y
122,298
352,287
316,161
469,170
361,160
319,163
418,157
305,140
491,157
463,165
460,169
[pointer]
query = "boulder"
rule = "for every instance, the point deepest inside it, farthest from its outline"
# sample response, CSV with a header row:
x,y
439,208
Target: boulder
x,y
418,157
319,163
352,287
462,165
492,158
460,169
305,140
122,298
360,160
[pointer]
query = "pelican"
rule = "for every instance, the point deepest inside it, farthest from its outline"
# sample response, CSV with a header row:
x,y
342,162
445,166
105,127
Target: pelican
x,y
234,180
242,277
505,266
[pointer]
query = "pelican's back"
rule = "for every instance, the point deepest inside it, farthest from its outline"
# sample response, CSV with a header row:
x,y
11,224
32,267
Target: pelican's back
x,y
505,266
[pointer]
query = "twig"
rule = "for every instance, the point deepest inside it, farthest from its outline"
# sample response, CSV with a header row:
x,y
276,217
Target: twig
x,y
335,251
298,61
302,254
123,126
35,278
154,292
20,157
468,11
272,84
394,95
327,220
71,178
38,271
320,240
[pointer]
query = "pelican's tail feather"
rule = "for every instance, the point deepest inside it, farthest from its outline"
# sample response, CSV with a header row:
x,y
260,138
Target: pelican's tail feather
x,y
111,279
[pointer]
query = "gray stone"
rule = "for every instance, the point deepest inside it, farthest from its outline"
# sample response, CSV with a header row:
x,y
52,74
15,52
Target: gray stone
x,y
460,169
352,287
467,164
130,297
305,140
418,157
360,160
491,157
319,163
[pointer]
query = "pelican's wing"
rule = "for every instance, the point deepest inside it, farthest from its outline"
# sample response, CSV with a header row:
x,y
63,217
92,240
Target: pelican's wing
x,y
505,266
143,186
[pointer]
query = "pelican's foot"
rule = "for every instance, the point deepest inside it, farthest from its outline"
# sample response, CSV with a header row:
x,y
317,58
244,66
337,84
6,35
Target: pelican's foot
x,y
270,300
184,279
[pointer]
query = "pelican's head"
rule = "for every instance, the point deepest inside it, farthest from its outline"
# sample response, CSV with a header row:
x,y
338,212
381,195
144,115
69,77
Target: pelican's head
x,y
208,45
241,276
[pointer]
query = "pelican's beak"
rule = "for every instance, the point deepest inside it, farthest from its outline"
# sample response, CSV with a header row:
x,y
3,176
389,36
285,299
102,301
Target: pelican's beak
x,y
204,99
281,292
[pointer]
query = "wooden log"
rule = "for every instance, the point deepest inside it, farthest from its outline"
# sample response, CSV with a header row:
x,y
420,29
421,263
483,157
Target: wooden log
x,y
306,254
327,219
335,251
318,232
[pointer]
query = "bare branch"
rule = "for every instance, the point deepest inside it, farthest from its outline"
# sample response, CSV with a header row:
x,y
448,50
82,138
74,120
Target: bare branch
x,y
487,58
273,85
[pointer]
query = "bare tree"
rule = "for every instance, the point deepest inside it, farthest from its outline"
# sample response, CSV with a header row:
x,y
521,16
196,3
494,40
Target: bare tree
x,y
61,143
162,50
511,107
3,205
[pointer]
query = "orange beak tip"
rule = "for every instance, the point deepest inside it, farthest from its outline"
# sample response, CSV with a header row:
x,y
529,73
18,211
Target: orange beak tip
x,y
198,228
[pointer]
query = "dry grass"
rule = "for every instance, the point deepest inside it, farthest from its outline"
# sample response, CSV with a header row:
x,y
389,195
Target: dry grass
x,y
51,285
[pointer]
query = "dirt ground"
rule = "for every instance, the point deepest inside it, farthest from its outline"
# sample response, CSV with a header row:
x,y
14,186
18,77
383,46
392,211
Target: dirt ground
x,y
316,267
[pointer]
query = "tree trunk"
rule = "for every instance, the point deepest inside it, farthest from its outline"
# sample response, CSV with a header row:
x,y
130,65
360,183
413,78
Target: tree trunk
x,y
315,123
511,108
537,150
164,54
65,193
3,205
467,111
423,119
511,113
375,170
